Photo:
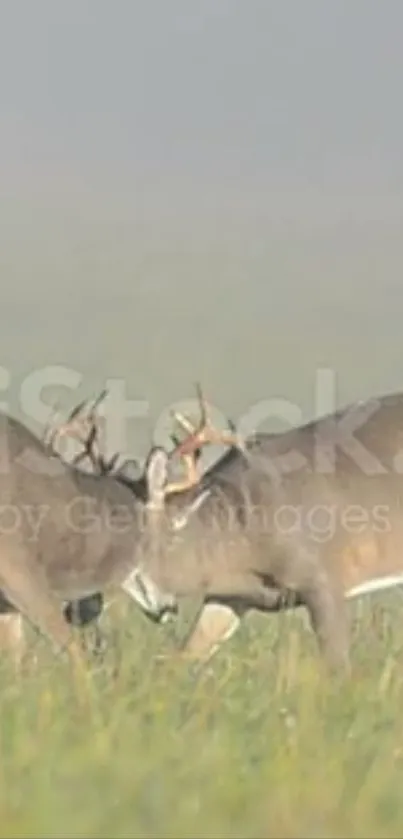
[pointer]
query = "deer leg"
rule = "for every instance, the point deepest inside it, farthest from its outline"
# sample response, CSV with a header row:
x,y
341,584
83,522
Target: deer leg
x,y
329,621
219,617
36,604
27,590
86,611
12,638
215,623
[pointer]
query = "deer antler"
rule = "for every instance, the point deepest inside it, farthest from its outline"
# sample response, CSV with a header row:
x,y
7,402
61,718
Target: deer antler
x,y
50,432
82,425
204,432
189,449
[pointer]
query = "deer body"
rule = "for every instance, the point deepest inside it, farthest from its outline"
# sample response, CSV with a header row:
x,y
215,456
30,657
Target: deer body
x,y
64,534
312,516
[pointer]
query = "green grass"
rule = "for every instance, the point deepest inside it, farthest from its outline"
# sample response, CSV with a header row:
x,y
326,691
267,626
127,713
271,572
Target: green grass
x,y
257,744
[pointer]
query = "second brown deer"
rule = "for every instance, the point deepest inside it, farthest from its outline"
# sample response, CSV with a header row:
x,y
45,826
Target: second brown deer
x,y
311,517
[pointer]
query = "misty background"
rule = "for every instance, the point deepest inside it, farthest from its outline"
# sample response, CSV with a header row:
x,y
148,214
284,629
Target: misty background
x,y
204,189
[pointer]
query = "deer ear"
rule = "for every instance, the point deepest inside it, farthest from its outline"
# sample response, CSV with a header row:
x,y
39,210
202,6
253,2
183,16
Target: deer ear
x,y
156,476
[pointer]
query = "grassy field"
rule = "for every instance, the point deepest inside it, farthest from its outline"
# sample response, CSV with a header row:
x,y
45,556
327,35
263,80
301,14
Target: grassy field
x,y
257,744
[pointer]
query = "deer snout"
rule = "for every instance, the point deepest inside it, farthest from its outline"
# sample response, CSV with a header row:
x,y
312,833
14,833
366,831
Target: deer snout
x,y
156,604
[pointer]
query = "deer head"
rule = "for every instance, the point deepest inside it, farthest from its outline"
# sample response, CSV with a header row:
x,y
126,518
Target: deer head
x,y
188,450
82,425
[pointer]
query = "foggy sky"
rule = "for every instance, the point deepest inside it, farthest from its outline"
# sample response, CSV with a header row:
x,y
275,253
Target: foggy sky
x,y
202,189
231,101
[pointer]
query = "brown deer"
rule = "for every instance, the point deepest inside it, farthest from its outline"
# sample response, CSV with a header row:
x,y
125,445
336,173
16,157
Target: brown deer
x,y
82,425
68,534
309,517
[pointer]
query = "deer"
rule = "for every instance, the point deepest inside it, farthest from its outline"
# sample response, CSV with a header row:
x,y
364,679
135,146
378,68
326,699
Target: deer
x,y
69,534
82,425
310,517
